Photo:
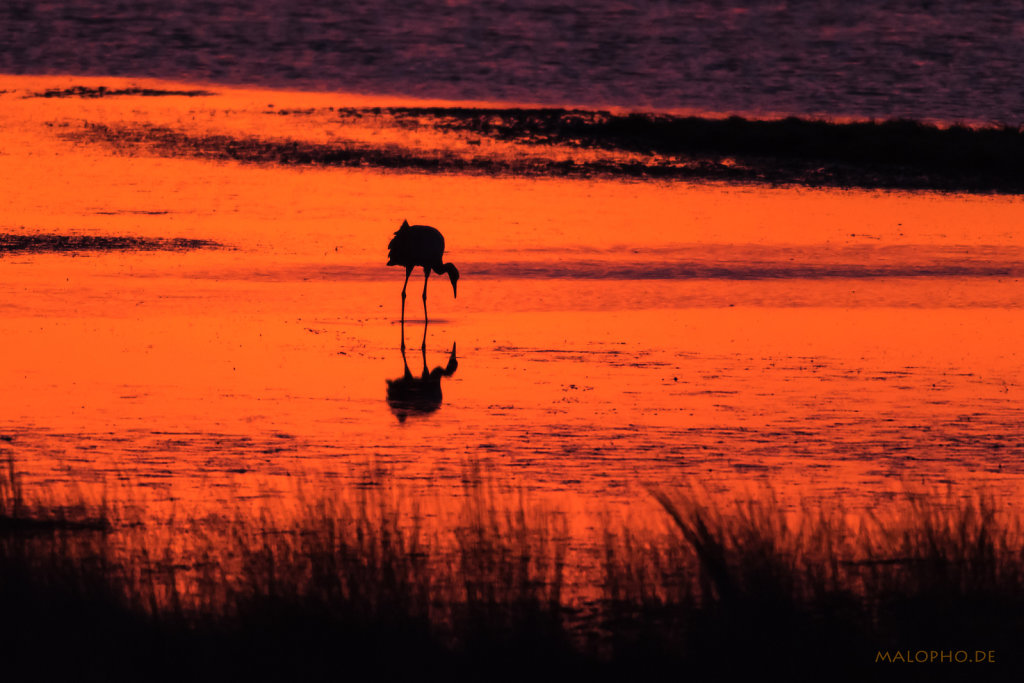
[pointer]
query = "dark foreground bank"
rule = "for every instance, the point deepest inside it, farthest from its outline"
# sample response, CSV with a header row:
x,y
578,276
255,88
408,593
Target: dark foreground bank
x,y
356,587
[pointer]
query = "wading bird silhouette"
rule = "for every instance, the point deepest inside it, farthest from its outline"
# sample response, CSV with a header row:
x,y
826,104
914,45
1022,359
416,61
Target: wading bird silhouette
x,y
420,245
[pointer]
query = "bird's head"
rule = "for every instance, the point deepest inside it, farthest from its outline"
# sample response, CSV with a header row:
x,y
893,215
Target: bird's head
x,y
453,275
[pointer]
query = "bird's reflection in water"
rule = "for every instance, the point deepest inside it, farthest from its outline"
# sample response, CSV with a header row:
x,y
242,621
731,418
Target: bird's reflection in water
x,y
410,395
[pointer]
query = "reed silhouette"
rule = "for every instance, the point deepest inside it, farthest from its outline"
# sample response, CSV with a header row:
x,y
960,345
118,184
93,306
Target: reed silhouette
x,y
411,395
731,587
423,246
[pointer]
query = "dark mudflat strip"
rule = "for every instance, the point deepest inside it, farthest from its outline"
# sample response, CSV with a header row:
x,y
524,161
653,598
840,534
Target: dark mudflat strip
x,y
895,142
663,270
51,243
165,141
874,154
103,91
890,141
890,155
650,270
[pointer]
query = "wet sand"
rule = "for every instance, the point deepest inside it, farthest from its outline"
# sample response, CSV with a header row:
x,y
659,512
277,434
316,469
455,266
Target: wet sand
x,y
609,333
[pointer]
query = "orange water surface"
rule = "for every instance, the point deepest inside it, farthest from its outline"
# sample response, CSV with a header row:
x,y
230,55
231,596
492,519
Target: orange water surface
x,y
822,341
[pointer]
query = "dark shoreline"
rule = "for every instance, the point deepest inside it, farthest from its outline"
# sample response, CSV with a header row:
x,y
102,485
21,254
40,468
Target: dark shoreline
x,y
896,155
40,243
102,91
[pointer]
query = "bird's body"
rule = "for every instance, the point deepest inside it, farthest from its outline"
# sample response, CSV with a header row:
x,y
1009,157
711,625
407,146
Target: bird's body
x,y
417,245
420,246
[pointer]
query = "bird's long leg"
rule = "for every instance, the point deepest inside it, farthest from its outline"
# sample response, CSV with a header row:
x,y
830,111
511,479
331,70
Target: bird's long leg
x,y
408,272
426,319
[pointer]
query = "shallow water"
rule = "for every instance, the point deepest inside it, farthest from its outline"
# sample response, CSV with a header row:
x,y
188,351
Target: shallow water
x,y
938,59
608,334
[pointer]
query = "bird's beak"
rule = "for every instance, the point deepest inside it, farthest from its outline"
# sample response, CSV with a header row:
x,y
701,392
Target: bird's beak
x,y
455,291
